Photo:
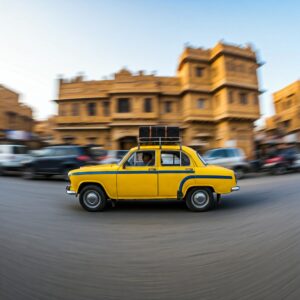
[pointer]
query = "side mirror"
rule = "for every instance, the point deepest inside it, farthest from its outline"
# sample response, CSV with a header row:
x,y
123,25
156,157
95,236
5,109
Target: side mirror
x,y
124,165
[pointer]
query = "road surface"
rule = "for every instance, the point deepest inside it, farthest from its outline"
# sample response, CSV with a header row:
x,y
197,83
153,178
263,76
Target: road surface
x,y
249,248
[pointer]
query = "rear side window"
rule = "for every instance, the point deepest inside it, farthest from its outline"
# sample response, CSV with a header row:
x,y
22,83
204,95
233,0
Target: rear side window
x,y
220,153
232,152
174,158
75,151
19,150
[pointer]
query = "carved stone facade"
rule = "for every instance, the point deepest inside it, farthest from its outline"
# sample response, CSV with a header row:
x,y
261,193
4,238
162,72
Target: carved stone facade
x,y
214,98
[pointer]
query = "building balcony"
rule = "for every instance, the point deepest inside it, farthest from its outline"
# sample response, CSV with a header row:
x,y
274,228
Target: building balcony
x,y
81,119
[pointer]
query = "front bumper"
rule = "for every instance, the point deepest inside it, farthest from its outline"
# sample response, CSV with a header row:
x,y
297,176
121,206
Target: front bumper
x,y
69,192
235,188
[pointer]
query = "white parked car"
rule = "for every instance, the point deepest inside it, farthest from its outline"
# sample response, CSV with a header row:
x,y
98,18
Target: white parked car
x,y
12,157
231,158
113,157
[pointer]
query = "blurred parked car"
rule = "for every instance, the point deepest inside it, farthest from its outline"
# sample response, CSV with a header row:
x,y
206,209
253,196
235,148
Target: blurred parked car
x,y
11,157
98,153
56,160
282,160
232,158
113,156
297,162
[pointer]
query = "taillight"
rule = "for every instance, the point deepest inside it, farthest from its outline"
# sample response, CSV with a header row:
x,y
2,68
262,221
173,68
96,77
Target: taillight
x,y
274,159
83,158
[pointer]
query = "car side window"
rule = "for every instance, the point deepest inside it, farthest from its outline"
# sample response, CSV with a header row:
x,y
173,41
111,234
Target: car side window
x,y
232,152
19,150
141,158
174,158
221,153
58,152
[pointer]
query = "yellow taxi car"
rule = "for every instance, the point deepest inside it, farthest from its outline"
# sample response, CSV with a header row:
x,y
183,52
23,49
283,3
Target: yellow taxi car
x,y
153,172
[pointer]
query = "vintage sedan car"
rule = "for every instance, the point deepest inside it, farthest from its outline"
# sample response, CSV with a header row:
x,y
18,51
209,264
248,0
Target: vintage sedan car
x,y
153,172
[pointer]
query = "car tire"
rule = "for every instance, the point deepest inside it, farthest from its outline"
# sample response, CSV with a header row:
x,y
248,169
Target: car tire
x,y
92,198
279,170
200,199
239,172
29,173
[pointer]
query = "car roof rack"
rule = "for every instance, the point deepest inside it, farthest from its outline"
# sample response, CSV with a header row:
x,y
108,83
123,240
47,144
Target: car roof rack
x,y
159,135
159,141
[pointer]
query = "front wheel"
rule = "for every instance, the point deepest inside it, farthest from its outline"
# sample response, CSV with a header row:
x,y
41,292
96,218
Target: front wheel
x,y
92,198
200,199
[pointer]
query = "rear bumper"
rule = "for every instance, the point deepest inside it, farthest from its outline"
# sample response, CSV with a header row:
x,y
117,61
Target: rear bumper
x,y
68,191
235,188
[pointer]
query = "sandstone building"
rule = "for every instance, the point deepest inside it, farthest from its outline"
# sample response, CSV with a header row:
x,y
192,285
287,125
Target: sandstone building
x,y
14,115
214,98
286,121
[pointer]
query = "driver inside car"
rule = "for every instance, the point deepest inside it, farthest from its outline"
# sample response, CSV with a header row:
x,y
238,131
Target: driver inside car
x,y
148,159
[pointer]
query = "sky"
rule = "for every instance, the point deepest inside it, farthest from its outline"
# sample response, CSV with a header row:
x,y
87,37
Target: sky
x,y
41,40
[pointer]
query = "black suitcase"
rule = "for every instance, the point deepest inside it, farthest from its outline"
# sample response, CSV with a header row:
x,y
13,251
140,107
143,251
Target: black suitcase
x,y
150,132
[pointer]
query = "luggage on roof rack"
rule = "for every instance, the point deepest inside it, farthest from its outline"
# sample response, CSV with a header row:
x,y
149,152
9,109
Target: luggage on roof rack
x,y
159,135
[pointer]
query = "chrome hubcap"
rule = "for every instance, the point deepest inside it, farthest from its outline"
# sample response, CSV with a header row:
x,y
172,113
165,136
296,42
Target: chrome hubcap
x,y
91,199
200,199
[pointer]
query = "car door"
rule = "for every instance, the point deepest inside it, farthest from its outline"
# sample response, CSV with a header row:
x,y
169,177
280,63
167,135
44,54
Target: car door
x,y
220,158
137,180
174,166
44,161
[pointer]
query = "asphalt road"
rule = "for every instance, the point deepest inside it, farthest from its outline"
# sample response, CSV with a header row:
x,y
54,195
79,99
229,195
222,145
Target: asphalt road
x,y
249,248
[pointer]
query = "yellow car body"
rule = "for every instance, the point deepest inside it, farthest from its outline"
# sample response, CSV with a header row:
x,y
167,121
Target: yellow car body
x,y
121,181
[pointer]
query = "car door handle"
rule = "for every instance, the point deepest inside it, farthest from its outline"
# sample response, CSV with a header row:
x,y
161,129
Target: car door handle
x,y
152,169
189,169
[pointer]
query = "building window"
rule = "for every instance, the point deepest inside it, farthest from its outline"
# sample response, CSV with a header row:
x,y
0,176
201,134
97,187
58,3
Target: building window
x,y
230,97
199,71
62,110
106,108
147,105
168,106
287,123
75,109
201,103
91,108
123,105
243,98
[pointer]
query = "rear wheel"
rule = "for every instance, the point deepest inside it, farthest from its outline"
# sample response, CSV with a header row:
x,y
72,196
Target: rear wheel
x,y
92,198
200,199
279,170
29,173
